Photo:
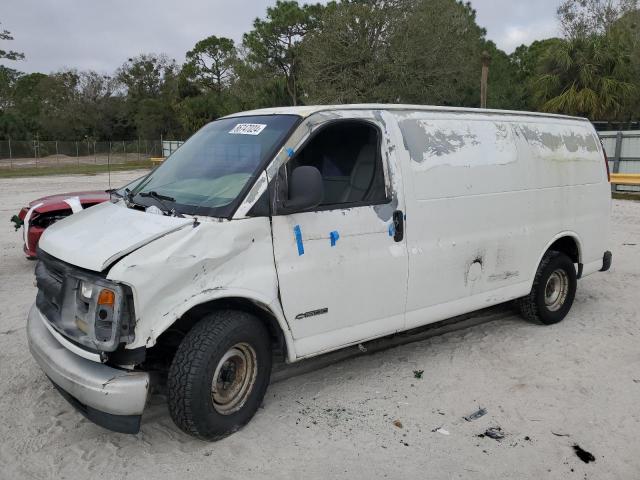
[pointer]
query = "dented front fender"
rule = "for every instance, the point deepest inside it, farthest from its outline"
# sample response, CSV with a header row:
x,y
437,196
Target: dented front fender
x,y
208,261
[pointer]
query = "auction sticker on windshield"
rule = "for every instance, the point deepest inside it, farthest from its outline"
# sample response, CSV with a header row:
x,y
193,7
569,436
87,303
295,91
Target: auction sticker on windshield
x,y
248,129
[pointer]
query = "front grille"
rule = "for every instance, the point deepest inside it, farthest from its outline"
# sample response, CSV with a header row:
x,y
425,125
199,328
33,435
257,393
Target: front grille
x,y
51,276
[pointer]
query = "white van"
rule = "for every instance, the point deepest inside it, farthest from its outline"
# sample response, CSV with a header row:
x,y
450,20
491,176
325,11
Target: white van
x,y
297,231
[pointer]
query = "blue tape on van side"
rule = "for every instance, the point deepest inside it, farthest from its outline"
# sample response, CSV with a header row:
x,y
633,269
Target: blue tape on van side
x,y
392,230
290,152
298,234
334,236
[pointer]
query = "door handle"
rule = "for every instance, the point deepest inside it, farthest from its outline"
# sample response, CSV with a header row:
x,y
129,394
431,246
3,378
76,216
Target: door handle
x,y
398,225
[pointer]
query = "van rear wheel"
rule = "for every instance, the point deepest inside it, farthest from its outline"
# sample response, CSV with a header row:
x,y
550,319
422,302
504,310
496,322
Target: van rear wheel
x,y
553,291
219,375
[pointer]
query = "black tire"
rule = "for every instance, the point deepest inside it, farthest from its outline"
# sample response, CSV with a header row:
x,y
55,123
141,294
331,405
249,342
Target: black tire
x,y
190,380
534,307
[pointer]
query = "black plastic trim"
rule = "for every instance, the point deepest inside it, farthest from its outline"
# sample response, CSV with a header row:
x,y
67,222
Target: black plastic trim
x,y
607,259
122,356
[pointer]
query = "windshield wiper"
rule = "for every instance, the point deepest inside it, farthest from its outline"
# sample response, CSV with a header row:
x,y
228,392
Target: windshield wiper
x,y
114,191
128,198
157,196
160,199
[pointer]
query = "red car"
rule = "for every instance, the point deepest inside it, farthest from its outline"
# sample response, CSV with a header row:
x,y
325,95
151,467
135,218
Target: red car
x,y
46,211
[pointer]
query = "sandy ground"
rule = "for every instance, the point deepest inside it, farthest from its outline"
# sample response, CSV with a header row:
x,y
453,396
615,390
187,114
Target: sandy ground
x,y
579,379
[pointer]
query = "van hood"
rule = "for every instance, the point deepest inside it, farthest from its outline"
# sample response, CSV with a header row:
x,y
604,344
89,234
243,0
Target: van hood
x,y
98,236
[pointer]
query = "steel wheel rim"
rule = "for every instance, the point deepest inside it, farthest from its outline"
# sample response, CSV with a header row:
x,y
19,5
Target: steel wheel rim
x,y
556,290
233,378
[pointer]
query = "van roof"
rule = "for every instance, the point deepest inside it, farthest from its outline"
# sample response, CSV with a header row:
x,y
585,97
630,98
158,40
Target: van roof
x,y
308,110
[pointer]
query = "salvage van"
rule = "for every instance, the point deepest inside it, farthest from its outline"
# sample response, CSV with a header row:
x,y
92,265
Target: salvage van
x,y
291,232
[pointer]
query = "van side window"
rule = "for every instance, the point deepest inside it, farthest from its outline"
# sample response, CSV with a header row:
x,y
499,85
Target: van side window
x,y
347,154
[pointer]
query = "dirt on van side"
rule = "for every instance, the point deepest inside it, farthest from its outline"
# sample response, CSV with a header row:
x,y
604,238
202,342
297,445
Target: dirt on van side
x,y
393,414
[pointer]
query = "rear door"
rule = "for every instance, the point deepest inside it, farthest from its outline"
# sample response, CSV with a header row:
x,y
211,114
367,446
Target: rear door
x,y
342,268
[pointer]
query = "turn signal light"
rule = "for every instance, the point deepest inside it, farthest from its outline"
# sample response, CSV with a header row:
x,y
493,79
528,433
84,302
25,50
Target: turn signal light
x,y
106,297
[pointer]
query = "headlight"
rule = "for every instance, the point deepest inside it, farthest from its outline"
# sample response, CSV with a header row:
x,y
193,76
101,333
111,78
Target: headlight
x,y
86,290
103,312
85,307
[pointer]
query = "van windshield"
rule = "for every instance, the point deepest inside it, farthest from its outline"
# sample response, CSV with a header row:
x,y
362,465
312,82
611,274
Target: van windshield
x,y
212,170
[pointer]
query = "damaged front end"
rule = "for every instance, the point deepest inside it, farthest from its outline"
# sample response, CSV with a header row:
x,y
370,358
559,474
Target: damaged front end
x,y
77,331
84,306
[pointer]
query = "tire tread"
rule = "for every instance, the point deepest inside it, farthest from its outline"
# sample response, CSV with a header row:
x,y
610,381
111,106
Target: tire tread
x,y
193,354
527,305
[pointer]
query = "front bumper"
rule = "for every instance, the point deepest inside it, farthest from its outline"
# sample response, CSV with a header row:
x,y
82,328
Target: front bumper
x,y
110,397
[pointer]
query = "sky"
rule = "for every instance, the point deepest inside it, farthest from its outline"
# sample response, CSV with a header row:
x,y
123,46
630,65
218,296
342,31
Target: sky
x,y
102,34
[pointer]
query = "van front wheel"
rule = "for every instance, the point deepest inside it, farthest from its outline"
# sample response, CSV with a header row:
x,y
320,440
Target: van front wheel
x,y
553,291
219,374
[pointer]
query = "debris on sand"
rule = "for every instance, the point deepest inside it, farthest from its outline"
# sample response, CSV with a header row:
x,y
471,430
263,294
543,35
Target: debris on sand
x,y
397,423
561,434
481,412
494,432
583,455
362,348
418,373
441,431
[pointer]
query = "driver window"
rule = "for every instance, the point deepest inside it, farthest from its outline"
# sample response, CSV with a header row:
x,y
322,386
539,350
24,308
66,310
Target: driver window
x,y
347,154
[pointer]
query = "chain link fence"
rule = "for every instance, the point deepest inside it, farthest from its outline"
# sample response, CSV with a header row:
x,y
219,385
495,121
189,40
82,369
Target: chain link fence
x,y
48,154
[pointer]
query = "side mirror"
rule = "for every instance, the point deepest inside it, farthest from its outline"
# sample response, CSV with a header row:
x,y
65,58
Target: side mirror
x,y
306,189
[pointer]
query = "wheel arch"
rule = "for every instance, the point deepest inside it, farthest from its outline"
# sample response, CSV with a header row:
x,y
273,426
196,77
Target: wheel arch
x,y
273,320
567,242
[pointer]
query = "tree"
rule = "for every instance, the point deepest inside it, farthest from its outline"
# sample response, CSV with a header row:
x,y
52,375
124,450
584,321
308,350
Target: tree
x,y
273,44
144,76
394,51
594,71
151,83
211,62
526,58
627,30
8,79
9,54
255,86
99,109
589,77
195,112
10,123
505,91
436,54
527,61
346,59
28,101
580,18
